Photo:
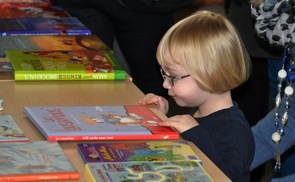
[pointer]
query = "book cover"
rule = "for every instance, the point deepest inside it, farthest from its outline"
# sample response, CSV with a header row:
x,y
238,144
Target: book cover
x,y
51,42
10,131
141,151
122,122
33,12
40,26
35,160
165,171
24,3
65,65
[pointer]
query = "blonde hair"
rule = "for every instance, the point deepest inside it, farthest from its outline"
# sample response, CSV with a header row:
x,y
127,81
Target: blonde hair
x,y
208,46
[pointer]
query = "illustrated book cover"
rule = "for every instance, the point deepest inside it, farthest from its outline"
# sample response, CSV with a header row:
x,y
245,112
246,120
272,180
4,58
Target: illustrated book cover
x,y
24,3
122,122
41,26
35,160
162,171
33,12
51,42
141,151
65,65
10,131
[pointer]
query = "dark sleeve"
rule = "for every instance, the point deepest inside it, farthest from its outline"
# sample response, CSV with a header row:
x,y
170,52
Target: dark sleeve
x,y
233,157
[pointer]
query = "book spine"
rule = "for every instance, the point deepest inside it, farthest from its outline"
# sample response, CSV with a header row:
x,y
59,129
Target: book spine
x,y
79,76
113,137
41,176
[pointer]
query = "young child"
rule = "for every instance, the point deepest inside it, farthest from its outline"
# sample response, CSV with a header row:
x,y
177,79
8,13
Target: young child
x,y
202,59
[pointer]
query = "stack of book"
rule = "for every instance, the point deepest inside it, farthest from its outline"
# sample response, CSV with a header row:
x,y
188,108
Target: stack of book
x,y
46,43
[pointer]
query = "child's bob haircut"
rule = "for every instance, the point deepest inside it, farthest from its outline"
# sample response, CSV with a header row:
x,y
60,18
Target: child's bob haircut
x,y
208,46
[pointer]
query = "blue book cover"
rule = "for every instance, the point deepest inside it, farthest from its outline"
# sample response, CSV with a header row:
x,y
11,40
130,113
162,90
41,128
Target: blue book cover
x,y
40,26
122,122
35,160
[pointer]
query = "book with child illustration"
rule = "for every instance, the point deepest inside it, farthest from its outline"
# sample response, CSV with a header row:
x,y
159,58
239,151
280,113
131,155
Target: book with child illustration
x,y
24,3
187,170
10,131
138,151
42,26
65,65
76,123
33,161
32,12
51,42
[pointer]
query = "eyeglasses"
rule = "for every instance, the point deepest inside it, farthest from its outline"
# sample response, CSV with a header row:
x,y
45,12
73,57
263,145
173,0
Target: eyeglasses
x,y
171,79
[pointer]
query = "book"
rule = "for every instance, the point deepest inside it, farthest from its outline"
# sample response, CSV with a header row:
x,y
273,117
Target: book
x,y
65,65
33,12
122,122
40,26
138,151
188,171
51,42
10,131
35,160
24,3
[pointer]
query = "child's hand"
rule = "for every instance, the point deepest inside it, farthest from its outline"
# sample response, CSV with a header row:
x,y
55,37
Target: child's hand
x,y
180,122
159,101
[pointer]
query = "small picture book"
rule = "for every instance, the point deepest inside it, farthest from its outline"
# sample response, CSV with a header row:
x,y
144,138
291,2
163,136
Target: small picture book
x,y
31,65
35,160
115,122
10,131
186,171
141,151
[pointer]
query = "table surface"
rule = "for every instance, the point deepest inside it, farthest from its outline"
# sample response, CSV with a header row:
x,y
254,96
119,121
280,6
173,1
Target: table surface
x,y
17,94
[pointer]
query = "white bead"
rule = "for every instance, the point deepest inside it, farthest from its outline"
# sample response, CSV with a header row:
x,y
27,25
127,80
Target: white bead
x,y
289,90
276,137
282,74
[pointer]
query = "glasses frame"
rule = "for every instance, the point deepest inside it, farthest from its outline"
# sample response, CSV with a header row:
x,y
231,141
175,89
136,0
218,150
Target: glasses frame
x,y
171,79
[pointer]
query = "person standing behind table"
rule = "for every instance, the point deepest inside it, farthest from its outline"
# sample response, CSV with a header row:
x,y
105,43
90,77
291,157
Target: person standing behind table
x,y
137,34
202,59
253,96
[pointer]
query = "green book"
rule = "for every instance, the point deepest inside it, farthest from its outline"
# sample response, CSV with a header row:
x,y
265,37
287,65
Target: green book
x,y
65,65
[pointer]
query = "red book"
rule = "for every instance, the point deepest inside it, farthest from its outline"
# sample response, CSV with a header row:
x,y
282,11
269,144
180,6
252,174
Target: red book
x,y
76,123
24,3
32,12
33,161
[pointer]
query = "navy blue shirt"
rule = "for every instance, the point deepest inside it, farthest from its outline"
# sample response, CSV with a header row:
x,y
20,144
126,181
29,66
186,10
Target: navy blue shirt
x,y
225,137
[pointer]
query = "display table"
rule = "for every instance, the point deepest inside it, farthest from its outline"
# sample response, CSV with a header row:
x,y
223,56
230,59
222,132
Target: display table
x,y
17,94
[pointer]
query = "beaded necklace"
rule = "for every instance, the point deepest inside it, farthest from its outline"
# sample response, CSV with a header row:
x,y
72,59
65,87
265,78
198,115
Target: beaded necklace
x,y
289,77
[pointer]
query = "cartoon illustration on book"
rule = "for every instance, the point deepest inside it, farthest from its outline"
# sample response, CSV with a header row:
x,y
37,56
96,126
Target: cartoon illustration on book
x,y
93,61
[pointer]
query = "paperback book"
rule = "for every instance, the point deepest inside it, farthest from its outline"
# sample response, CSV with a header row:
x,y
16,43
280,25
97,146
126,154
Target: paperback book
x,y
65,65
10,131
142,151
35,160
188,171
77,123
42,26
51,42
33,12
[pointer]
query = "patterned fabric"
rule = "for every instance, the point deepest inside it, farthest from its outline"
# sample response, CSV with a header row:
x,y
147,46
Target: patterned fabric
x,y
275,21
